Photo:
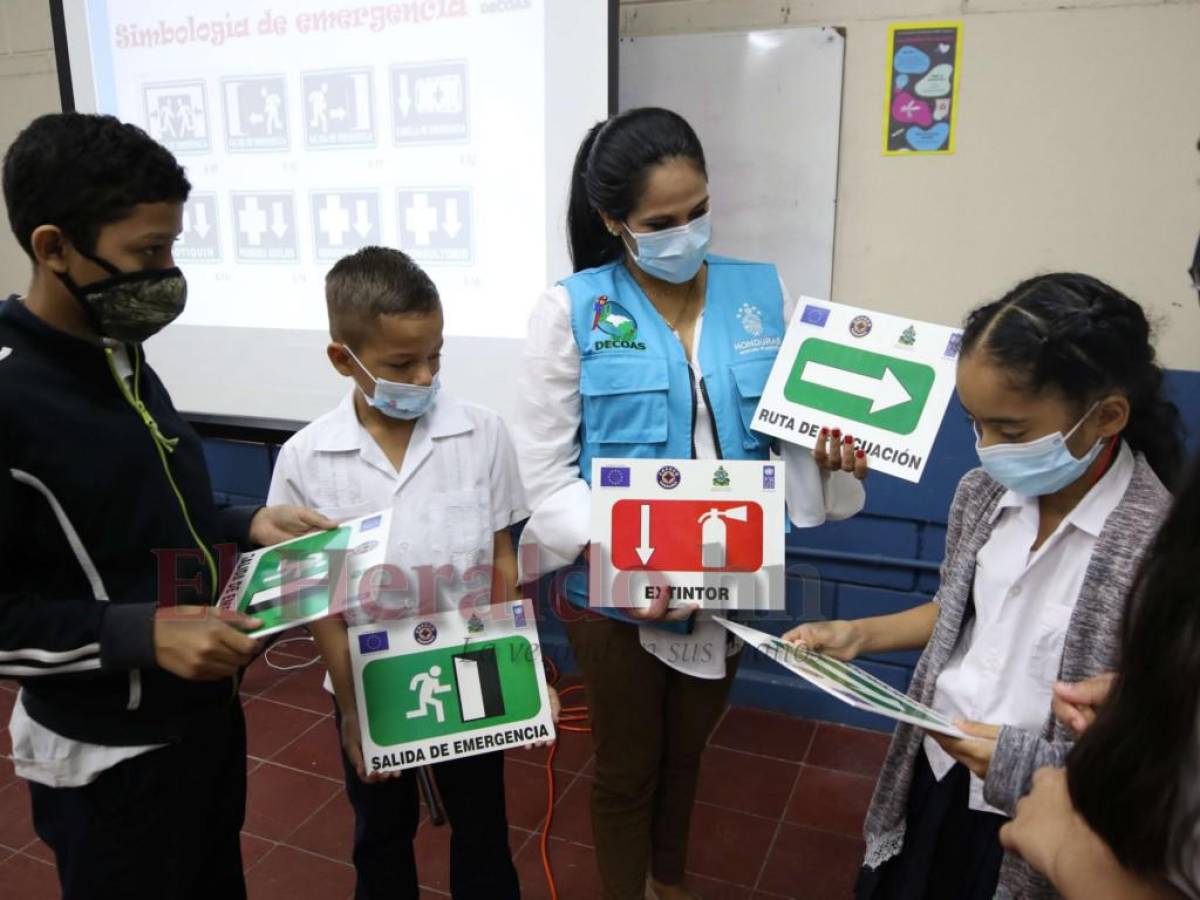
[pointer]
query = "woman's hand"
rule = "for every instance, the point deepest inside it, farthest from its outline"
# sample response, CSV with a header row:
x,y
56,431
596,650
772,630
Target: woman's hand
x,y
1076,705
840,639
659,611
1045,818
1052,837
835,453
974,752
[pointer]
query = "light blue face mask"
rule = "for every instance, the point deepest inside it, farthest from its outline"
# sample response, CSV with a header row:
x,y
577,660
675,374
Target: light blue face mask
x,y
1038,467
395,398
674,254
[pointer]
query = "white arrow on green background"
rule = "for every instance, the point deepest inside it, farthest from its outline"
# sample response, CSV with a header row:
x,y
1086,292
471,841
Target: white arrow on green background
x,y
884,393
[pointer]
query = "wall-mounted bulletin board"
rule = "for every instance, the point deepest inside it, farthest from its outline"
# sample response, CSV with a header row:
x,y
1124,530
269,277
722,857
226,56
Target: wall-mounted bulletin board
x,y
922,88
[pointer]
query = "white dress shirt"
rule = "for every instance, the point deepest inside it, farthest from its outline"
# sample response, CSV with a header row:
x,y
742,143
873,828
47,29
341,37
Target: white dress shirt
x,y
548,443
457,486
1003,670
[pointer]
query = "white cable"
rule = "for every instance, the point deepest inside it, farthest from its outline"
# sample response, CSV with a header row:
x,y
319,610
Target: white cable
x,y
292,640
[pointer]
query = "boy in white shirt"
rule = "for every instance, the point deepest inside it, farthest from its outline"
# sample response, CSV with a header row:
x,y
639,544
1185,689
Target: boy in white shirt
x,y
448,471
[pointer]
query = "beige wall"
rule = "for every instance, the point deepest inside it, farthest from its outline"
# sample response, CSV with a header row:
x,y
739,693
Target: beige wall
x,y
1076,147
28,88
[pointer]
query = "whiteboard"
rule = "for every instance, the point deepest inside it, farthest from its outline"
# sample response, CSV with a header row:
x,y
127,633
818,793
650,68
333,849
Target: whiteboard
x,y
767,107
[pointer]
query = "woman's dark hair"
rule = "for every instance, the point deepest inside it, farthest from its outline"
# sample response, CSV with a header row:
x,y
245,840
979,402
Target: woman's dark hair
x,y
1126,774
1077,335
610,174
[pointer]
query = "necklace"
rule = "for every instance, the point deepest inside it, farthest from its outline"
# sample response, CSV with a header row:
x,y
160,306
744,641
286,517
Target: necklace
x,y
686,304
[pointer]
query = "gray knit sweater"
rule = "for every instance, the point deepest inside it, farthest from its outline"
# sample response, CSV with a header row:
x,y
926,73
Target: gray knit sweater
x,y
1090,648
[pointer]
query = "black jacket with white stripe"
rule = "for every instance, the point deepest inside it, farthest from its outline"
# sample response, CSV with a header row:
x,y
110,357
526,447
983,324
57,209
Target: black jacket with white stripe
x,y
105,502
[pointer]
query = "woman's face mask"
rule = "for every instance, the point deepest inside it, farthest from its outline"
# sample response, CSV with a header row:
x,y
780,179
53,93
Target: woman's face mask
x,y
130,306
674,254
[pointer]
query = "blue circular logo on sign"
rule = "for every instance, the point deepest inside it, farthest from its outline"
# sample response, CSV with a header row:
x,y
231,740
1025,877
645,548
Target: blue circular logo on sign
x,y
668,478
425,633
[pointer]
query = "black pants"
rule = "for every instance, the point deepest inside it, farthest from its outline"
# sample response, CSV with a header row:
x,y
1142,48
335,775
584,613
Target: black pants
x,y
386,815
951,852
161,826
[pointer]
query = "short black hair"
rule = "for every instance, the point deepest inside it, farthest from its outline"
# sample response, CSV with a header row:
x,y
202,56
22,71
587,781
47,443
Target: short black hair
x,y
374,282
82,172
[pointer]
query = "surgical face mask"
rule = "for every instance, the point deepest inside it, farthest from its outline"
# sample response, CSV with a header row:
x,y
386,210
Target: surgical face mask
x,y
130,306
1039,467
395,398
675,254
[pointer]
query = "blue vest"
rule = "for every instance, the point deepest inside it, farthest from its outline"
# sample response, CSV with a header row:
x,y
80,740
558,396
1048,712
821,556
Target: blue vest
x,y
635,383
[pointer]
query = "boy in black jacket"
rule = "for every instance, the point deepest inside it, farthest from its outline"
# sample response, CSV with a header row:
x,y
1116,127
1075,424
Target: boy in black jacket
x,y
128,725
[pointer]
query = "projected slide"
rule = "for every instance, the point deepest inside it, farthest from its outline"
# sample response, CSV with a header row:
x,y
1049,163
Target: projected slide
x,y
310,128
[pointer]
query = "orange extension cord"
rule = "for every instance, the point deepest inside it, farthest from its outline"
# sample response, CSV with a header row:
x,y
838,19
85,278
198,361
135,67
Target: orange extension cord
x,y
571,718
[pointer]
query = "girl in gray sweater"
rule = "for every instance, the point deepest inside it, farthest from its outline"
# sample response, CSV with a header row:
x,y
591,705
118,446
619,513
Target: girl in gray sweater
x,y
1076,441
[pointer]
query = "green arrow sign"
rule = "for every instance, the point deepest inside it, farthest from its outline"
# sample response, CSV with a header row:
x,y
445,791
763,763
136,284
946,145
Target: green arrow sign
x,y
449,690
883,391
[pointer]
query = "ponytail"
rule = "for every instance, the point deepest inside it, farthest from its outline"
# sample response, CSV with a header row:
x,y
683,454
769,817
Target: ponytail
x,y
591,244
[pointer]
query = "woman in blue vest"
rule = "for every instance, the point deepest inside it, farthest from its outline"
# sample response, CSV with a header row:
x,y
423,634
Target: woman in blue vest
x,y
653,349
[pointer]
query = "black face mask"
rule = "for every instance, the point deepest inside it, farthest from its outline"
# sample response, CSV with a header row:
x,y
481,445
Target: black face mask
x,y
130,306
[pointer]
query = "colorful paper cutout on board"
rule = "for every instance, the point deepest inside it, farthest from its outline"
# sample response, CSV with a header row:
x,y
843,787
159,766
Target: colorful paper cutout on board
x,y
921,107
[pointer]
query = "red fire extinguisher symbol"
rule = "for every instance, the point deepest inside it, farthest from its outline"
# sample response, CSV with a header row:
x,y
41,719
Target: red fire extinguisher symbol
x,y
687,535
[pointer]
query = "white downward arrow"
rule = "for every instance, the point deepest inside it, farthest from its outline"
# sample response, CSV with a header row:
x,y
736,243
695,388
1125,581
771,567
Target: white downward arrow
x,y
450,223
279,224
201,225
884,393
362,220
644,550
405,99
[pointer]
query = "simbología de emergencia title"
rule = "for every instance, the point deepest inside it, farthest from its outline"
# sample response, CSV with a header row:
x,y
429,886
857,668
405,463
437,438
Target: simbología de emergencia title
x,y
216,31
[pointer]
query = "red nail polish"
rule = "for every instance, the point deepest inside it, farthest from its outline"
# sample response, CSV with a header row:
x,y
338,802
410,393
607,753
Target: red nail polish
x,y
837,432
824,431
859,454
849,440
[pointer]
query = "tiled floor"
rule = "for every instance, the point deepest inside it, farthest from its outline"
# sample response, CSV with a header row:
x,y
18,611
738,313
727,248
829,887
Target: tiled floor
x,y
779,810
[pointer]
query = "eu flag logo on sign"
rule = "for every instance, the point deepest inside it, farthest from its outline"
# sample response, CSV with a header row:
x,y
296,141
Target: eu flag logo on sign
x,y
614,476
372,642
815,315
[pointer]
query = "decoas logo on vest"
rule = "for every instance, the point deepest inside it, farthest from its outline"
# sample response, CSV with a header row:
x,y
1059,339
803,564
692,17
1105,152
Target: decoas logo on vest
x,y
618,323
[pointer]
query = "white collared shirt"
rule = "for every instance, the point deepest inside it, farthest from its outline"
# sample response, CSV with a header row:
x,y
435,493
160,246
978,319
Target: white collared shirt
x,y
548,438
457,486
1003,669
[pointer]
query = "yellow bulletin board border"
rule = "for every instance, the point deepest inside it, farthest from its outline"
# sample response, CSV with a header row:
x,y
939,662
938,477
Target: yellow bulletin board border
x,y
889,84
